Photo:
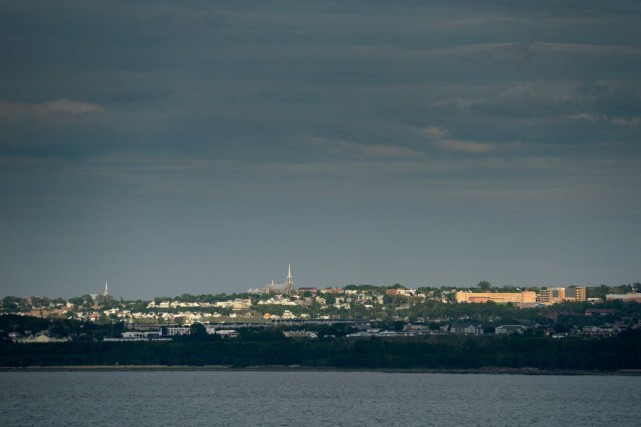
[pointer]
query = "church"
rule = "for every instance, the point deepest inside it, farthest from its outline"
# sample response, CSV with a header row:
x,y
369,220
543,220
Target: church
x,y
281,288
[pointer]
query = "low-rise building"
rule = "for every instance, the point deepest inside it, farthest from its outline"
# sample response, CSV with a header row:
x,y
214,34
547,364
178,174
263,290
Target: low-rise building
x,y
300,334
629,297
227,333
335,290
312,291
600,312
525,297
598,330
466,328
141,334
42,338
400,292
509,329
178,330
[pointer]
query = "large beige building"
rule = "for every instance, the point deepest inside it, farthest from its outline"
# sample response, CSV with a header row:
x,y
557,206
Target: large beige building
x,y
525,297
549,296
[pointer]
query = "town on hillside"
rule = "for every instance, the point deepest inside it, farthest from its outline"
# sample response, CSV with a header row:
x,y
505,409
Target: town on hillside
x,y
369,310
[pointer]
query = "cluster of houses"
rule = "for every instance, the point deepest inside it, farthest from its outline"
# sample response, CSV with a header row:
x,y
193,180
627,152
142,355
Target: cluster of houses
x,y
305,303
306,299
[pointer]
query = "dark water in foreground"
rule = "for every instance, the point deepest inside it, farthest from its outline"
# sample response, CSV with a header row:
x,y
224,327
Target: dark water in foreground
x,y
241,398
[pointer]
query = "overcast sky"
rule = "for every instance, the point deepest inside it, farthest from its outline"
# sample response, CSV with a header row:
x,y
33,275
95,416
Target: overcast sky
x,y
202,146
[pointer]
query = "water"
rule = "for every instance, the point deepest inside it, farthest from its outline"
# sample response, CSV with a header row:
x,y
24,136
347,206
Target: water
x,y
242,398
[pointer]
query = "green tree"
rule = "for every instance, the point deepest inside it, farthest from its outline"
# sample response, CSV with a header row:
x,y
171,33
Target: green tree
x,y
104,300
484,285
198,330
77,301
40,301
11,304
330,299
87,300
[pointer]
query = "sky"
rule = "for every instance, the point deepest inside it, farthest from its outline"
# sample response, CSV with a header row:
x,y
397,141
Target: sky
x,y
202,146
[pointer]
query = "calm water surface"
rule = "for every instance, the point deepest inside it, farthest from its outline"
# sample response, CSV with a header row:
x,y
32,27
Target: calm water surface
x,y
241,398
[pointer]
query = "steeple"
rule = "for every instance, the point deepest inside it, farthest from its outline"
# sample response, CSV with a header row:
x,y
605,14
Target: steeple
x,y
106,292
289,281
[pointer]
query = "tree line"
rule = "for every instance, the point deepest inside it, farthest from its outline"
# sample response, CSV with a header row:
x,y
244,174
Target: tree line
x,y
268,347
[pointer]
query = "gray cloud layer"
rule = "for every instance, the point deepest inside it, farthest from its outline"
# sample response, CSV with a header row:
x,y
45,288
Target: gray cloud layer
x,y
165,145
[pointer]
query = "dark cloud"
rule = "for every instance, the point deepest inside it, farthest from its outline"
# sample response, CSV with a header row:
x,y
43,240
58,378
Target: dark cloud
x,y
163,133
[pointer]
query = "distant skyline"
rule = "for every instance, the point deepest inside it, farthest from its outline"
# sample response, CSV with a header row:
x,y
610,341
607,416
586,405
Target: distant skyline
x,y
202,146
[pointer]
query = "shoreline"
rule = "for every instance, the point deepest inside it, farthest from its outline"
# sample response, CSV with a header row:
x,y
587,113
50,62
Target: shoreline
x,y
271,368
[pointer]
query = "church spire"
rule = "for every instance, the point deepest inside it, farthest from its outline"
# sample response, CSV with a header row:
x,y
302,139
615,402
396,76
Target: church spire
x,y
106,292
289,282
